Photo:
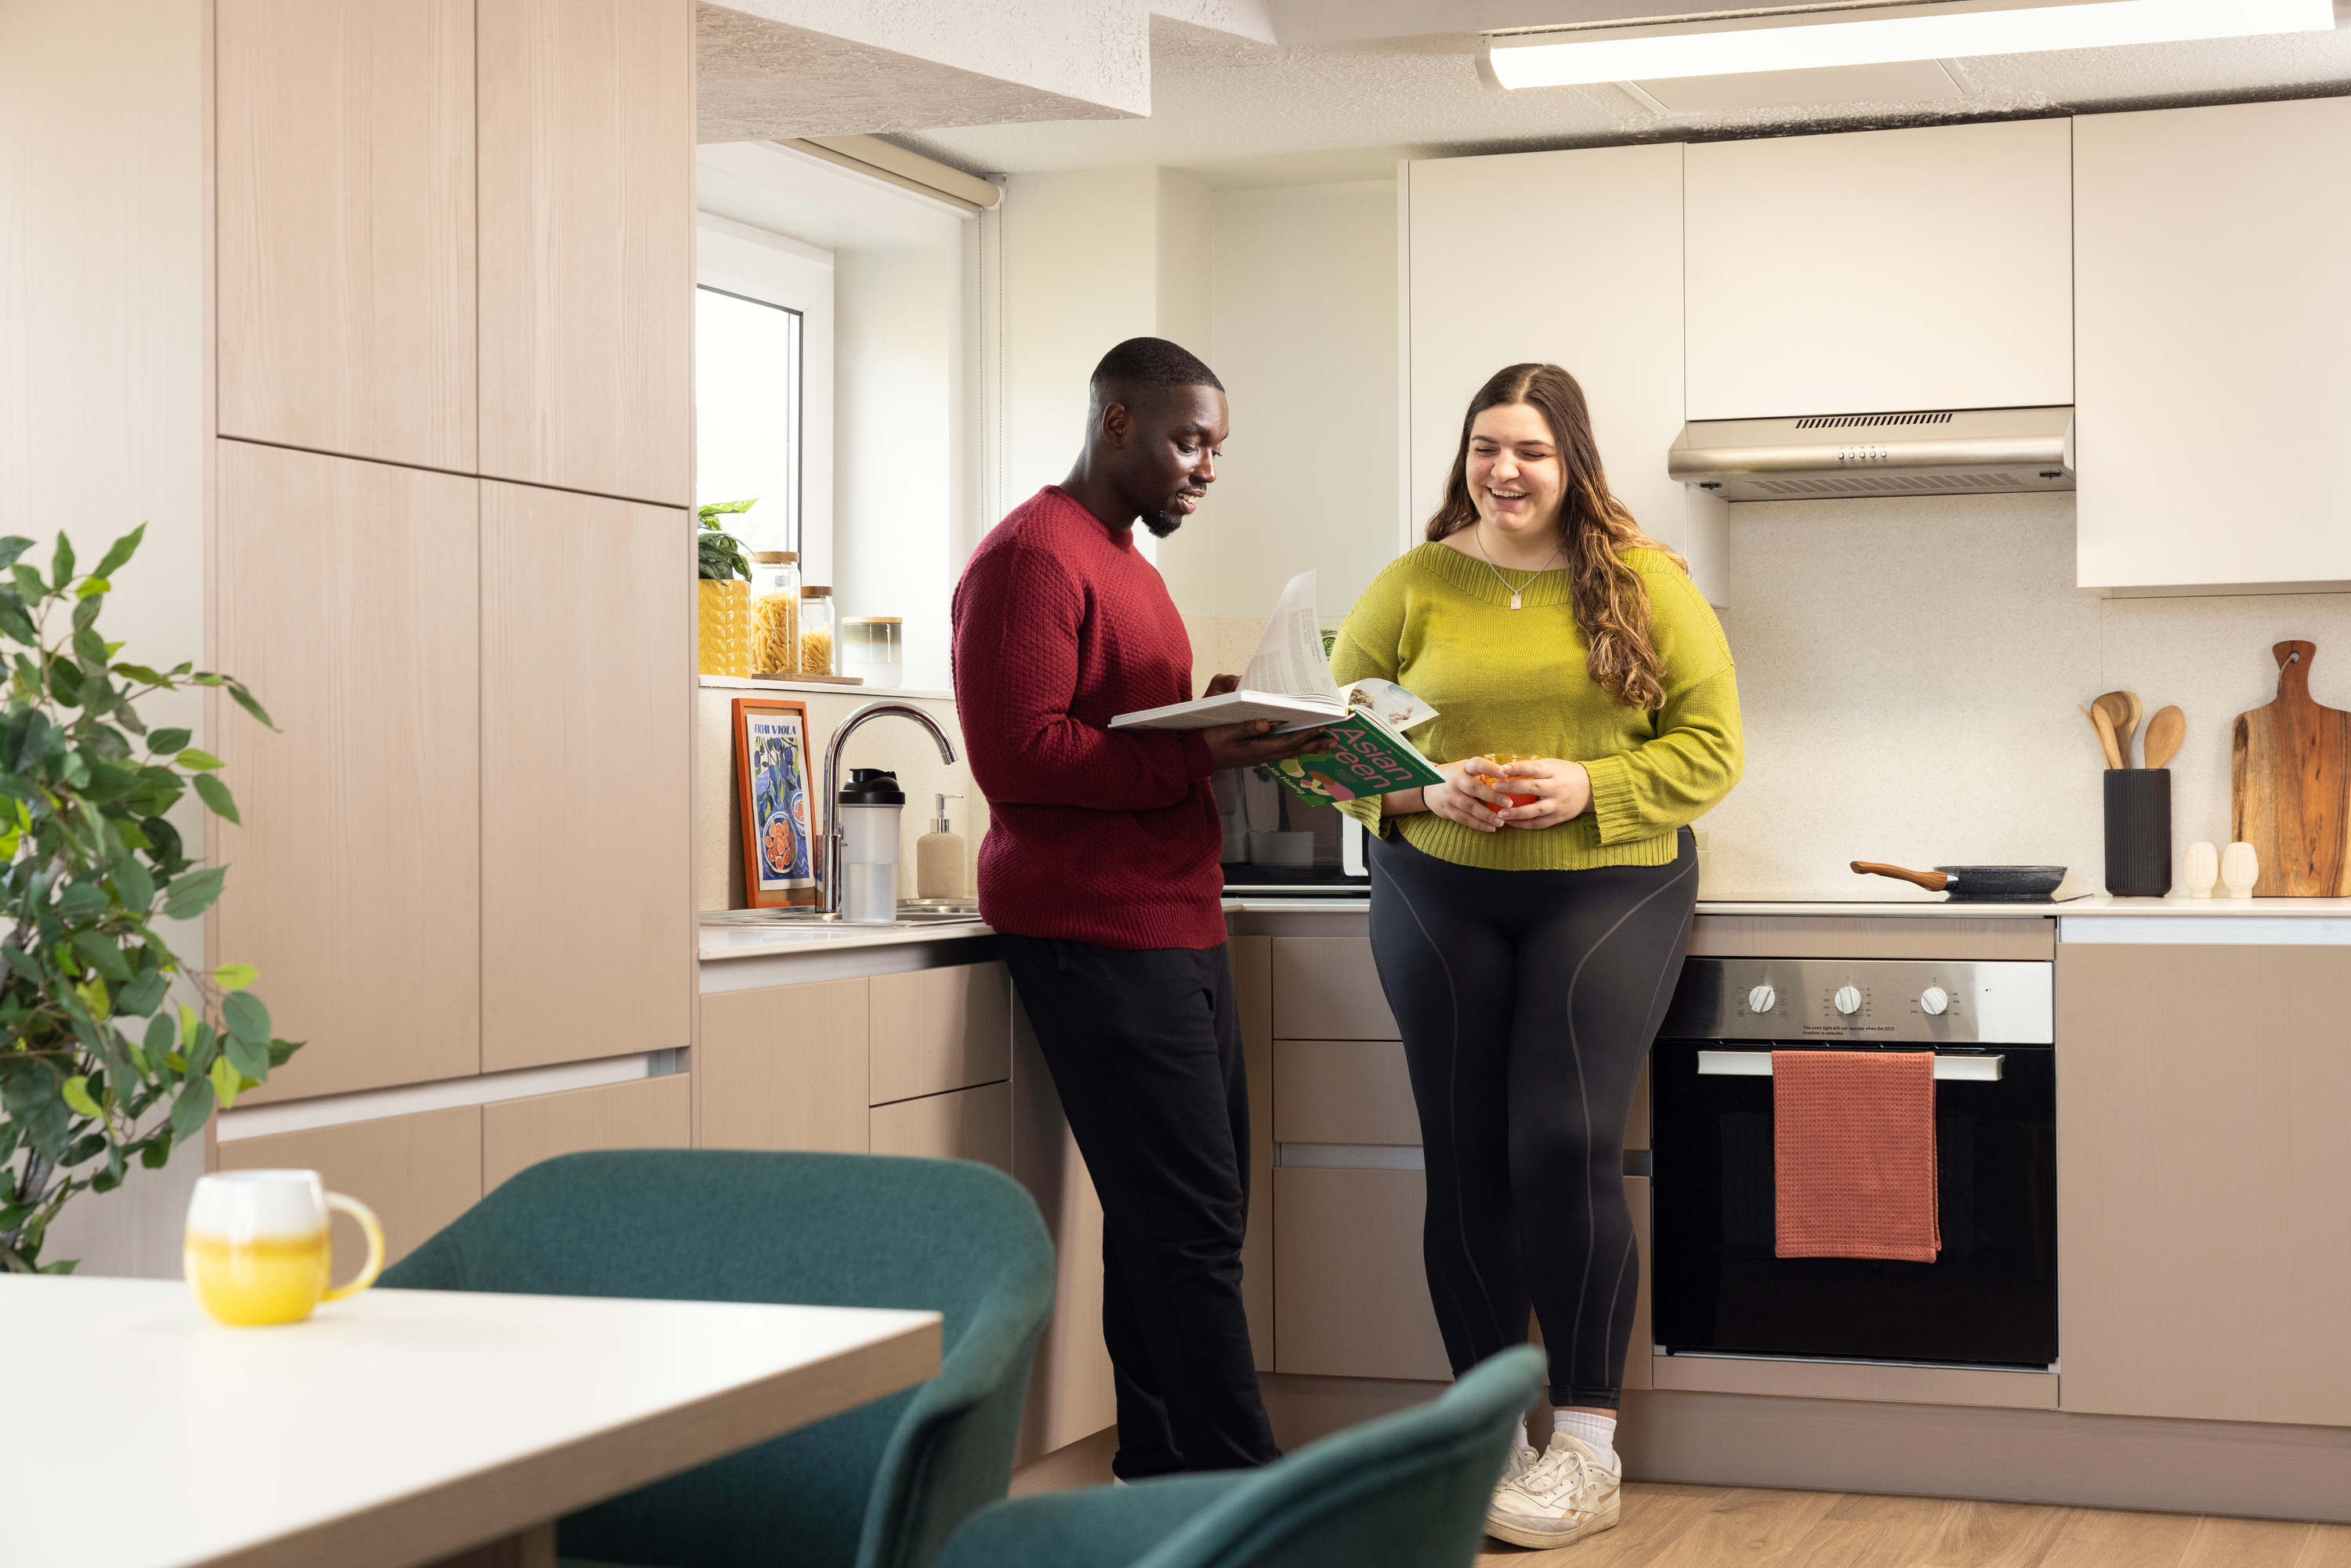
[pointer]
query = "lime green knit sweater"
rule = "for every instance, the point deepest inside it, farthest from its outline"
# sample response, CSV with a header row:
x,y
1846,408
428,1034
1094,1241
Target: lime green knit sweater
x,y
1439,623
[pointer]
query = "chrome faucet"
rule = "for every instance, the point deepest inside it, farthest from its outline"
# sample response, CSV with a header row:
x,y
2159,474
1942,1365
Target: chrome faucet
x,y
836,842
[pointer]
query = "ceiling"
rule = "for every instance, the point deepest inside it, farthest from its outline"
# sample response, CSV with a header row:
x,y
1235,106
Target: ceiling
x,y
1233,112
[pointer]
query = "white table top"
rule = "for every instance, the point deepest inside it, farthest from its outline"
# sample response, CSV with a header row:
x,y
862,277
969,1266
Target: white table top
x,y
399,1427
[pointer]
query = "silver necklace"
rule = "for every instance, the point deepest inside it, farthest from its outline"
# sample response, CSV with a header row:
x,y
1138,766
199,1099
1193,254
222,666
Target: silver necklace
x,y
1514,590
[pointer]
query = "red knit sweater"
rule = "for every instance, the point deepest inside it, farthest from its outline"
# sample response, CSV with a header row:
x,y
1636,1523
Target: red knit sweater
x,y
1060,626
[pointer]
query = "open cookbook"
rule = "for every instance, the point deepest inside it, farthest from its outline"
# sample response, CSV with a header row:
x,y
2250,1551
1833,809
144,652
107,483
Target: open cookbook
x,y
1288,679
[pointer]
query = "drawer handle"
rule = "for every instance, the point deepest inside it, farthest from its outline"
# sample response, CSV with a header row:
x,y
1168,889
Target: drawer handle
x,y
1758,1064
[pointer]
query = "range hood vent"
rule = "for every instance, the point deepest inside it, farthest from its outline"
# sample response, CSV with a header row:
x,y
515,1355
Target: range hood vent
x,y
1943,452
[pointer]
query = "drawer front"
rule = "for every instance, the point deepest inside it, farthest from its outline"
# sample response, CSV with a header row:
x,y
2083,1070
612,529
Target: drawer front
x,y
1342,1092
968,1124
937,1029
784,1067
648,1113
1350,1295
1326,987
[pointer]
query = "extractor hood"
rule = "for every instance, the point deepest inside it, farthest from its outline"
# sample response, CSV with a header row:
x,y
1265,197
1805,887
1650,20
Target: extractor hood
x,y
1946,451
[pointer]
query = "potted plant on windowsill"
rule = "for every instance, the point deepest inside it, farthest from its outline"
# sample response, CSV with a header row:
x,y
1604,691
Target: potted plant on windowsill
x,y
725,585
111,1049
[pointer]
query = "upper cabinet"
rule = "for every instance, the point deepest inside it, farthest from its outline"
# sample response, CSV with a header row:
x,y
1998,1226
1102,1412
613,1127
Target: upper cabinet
x,y
345,208
1880,271
2214,329
587,245
1583,269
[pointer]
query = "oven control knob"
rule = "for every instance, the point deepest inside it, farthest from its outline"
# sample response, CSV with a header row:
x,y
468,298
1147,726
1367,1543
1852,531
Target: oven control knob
x,y
1761,999
1848,1001
1934,999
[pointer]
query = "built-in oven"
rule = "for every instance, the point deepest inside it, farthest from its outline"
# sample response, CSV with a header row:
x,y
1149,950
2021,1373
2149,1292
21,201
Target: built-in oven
x,y
1989,1298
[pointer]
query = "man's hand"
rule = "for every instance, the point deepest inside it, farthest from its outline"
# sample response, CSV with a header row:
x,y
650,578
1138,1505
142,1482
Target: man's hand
x,y
1247,743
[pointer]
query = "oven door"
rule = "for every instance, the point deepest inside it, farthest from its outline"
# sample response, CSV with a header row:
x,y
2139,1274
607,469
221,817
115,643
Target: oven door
x,y
1990,1299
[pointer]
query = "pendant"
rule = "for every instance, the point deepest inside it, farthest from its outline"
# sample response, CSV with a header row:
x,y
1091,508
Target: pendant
x,y
1514,602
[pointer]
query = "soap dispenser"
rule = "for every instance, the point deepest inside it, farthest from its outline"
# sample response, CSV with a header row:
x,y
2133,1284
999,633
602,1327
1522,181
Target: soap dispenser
x,y
938,858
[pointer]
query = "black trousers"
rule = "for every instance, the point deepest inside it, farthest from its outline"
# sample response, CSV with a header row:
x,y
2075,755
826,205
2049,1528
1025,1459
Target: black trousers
x,y
1145,1050
1528,1000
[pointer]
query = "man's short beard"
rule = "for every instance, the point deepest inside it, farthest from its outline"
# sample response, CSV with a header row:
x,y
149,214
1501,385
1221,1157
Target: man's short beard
x,y
1162,524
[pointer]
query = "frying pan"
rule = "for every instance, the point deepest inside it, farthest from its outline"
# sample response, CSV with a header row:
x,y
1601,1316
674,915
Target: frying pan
x,y
1979,883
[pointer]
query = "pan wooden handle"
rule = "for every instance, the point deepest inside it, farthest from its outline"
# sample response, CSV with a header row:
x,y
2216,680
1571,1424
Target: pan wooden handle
x,y
1932,881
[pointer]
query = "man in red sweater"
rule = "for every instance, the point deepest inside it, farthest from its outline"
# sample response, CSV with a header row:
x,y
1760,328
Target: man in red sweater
x,y
1100,869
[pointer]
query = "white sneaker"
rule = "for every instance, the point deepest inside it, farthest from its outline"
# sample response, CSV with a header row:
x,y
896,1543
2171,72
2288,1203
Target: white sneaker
x,y
1565,1495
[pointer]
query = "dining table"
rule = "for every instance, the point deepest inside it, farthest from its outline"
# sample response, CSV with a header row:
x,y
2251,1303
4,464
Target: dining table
x,y
397,1429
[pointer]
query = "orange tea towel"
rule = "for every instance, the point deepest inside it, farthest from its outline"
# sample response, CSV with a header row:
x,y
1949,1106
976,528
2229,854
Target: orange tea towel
x,y
1854,1144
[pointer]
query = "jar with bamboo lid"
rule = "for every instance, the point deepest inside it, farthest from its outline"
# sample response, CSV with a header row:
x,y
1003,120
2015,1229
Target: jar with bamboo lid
x,y
820,651
775,612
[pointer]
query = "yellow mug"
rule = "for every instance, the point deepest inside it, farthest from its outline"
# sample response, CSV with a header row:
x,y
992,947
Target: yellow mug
x,y
257,1248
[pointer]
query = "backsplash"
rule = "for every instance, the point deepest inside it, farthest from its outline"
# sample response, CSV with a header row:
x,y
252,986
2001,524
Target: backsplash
x,y
1908,672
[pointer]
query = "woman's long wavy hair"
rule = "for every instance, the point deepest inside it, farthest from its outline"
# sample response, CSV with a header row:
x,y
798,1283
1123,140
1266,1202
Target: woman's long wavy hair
x,y
1612,604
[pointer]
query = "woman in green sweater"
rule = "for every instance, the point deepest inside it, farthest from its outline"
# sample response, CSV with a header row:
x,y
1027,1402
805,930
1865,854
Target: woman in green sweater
x,y
1528,937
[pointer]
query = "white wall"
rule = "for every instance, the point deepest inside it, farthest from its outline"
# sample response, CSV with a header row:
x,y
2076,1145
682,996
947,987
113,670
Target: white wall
x,y
103,384
1908,670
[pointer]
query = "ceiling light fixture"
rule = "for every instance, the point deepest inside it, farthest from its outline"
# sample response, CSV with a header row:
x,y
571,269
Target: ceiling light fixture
x,y
1791,40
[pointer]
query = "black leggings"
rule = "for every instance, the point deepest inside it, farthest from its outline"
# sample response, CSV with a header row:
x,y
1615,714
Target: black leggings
x,y
1528,1000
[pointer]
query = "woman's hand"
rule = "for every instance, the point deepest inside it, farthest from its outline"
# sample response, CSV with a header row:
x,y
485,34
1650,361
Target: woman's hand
x,y
1563,791
1462,799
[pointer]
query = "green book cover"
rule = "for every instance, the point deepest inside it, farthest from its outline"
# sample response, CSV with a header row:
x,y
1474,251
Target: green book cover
x,y
1373,758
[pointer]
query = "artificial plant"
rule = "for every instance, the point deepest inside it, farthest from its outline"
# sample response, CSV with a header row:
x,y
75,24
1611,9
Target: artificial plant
x,y
720,552
111,1049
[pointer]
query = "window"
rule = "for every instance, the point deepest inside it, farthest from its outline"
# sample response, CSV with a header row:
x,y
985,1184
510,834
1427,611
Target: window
x,y
749,382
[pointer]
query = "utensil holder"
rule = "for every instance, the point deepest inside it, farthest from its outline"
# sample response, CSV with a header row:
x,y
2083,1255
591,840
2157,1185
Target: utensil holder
x,y
2138,831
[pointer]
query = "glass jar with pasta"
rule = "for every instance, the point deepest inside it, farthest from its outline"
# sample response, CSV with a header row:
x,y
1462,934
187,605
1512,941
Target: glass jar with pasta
x,y
775,612
818,650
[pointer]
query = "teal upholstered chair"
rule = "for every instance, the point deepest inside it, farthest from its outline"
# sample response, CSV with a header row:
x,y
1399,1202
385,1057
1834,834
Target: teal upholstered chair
x,y
881,1486
1409,1491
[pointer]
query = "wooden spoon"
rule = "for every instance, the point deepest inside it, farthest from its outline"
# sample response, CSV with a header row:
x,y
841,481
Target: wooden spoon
x,y
2097,717
2121,711
2164,733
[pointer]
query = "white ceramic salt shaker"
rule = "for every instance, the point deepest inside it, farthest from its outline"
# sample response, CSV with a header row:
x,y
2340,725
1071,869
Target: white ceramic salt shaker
x,y
2239,869
2202,870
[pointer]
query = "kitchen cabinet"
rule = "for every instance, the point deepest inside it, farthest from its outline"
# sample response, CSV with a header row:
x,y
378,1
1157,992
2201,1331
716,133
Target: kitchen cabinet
x,y
1252,962
2203,1248
1350,1295
417,1171
784,1067
1881,271
2212,330
1070,1391
937,1029
345,597
962,1124
643,1113
586,172
587,917
345,223
1328,988
1592,281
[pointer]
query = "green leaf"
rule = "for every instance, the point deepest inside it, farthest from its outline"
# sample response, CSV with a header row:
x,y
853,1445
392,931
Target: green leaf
x,y
163,742
250,704
720,508
192,757
132,881
215,794
248,1056
235,977
146,676
143,996
224,1080
195,892
92,587
188,1021
102,954
162,1036
157,1154
61,564
12,546
77,1094
82,900
249,1020
120,551
65,682
30,585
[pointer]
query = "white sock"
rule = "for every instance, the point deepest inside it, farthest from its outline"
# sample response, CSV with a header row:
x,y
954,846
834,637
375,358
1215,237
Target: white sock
x,y
1597,1433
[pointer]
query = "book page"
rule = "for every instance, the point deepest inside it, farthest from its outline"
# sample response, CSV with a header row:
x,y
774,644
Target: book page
x,y
1288,657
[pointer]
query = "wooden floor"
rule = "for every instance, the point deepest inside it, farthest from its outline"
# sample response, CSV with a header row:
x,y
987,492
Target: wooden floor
x,y
1730,1527
1717,1527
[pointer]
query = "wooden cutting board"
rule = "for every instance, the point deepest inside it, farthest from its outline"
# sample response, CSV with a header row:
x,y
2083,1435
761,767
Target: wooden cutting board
x,y
2290,787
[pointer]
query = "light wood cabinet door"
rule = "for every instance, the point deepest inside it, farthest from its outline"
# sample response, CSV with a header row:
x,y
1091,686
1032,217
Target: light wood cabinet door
x,y
964,1125
1350,1295
1877,271
347,600
648,1113
1328,988
417,1171
587,244
784,1067
2203,1247
1342,1092
936,1030
588,915
2184,412
1070,1392
345,217
1252,962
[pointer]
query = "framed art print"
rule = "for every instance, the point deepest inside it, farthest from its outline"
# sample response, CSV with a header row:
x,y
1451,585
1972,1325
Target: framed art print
x,y
773,793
